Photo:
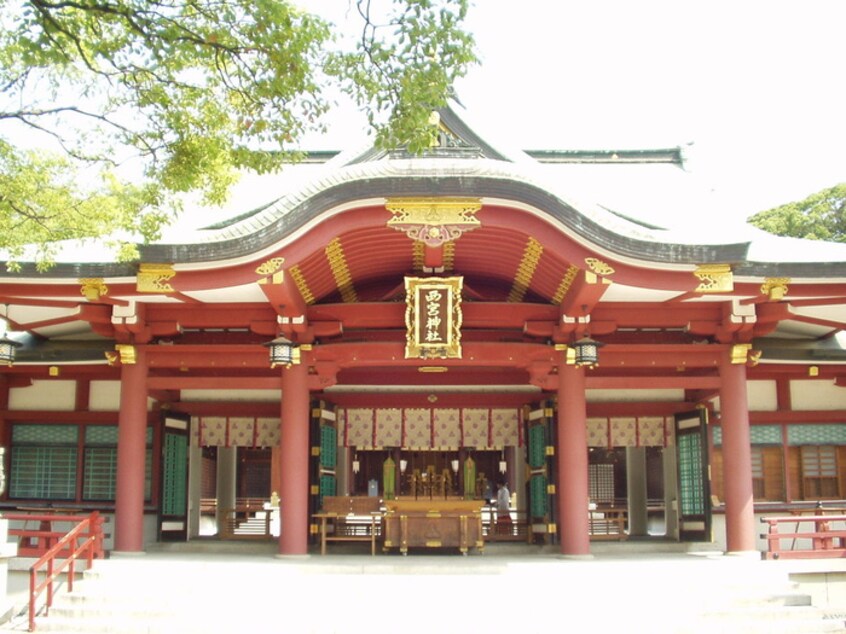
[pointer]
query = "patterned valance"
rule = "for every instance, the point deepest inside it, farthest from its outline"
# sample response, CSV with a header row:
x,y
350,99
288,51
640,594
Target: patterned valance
x,y
424,428
643,431
816,434
234,431
758,435
797,435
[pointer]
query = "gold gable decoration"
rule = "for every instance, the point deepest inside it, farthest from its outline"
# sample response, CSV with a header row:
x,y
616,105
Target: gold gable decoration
x,y
93,288
775,288
433,221
714,278
433,317
155,278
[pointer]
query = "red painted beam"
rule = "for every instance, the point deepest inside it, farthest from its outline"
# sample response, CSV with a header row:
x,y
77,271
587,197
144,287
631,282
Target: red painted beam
x,y
431,399
66,416
643,408
214,383
652,382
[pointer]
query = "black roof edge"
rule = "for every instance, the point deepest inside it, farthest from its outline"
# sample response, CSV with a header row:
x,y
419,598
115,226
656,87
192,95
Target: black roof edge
x,y
672,156
448,185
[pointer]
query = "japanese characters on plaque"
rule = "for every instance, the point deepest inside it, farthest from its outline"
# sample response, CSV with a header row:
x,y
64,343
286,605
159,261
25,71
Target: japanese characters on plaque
x,y
433,317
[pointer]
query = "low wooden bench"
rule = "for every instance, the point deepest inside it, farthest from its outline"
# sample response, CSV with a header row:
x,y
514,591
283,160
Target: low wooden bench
x,y
350,519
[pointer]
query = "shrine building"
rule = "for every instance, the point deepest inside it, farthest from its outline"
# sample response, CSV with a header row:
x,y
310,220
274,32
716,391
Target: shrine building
x,y
375,324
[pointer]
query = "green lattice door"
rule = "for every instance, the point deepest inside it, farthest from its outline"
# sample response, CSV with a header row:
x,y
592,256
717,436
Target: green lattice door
x,y
693,476
540,456
324,455
173,501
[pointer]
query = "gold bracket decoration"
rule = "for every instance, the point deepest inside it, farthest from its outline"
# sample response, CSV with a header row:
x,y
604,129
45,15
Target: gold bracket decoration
x,y
433,317
526,270
155,278
599,267
302,285
565,284
434,221
569,354
775,288
598,271
93,288
714,278
271,269
126,353
740,353
340,271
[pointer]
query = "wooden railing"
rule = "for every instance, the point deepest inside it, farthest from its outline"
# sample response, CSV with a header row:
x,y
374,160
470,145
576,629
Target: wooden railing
x,y
515,531
608,522
247,522
811,536
84,540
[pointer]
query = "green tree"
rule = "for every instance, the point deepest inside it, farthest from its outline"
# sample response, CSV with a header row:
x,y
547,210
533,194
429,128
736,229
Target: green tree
x,y
820,216
113,108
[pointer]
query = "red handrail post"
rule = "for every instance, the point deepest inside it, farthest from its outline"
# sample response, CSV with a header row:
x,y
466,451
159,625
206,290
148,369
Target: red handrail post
x,y
90,529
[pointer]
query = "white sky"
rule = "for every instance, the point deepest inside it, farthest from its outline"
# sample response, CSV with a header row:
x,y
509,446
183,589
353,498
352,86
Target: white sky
x,y
756,86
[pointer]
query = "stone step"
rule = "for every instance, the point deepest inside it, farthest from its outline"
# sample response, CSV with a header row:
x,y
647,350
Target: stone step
x,y
223,593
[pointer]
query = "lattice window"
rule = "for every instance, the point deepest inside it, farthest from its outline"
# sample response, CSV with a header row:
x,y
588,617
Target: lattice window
x,y
601,483
44,462
819,472
757,472
99,467
43,472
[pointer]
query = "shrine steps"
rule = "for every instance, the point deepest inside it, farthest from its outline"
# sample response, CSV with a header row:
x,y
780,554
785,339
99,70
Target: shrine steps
x,y
224,592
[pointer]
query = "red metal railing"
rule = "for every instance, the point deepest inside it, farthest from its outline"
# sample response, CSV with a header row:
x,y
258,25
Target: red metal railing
x,y
85,539
811,536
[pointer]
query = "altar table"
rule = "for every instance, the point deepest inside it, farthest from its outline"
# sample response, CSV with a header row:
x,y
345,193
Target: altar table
x,y
433,523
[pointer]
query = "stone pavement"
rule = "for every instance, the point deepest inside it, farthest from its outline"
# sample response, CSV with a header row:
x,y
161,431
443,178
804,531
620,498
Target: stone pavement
x,y
509,587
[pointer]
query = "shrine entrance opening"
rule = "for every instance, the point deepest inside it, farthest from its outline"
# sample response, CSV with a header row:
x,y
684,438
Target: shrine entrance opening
x,y
235,489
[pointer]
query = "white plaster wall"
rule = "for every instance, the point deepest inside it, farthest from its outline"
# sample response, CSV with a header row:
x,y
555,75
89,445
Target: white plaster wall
x,y
817,395
104,396
53,396
633,396
762,396
260,396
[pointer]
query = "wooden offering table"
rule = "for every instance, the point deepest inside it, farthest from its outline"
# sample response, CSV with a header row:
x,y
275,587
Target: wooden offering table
x,y
444,523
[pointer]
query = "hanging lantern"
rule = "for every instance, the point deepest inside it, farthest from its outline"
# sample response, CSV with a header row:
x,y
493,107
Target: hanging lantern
x,y
8,349
283,352
586,352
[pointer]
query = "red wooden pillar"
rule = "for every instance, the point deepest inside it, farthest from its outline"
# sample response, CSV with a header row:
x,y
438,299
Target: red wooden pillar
x,y
131,455
572,462
293,459
737,458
